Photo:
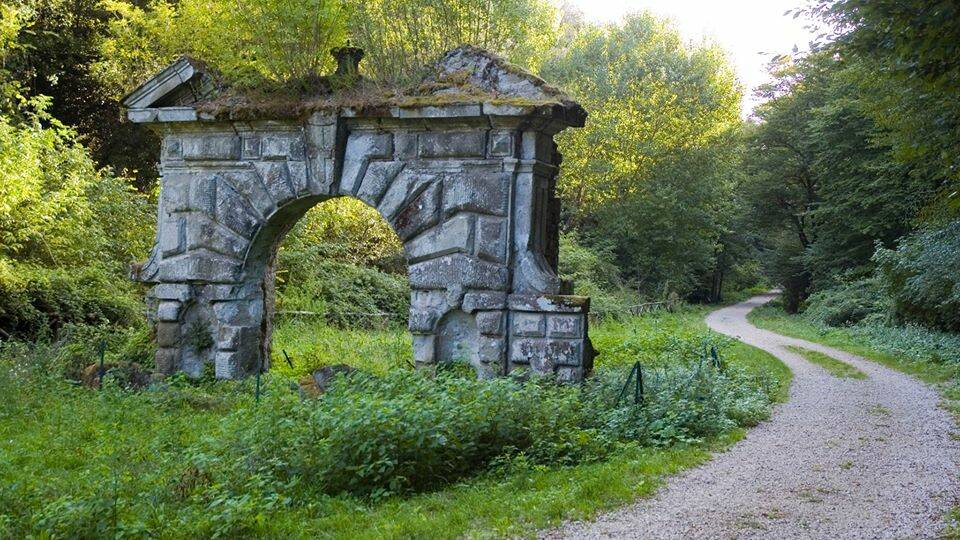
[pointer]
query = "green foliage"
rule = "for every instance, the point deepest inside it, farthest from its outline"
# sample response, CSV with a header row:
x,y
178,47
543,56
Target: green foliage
x,y
342,293
67,230
824,185
659,150
908,49
198,459
248,42
594,274
52,54
37,302
847,303
56,207
933,356
403,38
921,276
311,343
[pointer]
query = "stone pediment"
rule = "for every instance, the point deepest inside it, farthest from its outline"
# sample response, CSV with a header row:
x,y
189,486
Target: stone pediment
x,y
466,76
177,89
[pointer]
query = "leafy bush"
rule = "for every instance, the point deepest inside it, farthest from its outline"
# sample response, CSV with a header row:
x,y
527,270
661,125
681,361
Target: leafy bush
x,y
910,341
77,347
594,274
37,302
847,303
922,278
344,294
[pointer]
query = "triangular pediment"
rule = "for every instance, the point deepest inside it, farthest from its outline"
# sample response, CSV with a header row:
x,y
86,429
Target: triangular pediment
x,y
181,84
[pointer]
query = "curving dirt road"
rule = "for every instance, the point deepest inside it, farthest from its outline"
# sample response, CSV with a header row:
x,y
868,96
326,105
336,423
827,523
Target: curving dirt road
x,y
843,458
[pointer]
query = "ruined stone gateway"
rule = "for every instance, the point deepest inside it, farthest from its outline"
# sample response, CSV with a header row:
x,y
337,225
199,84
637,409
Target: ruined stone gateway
x,y
464,169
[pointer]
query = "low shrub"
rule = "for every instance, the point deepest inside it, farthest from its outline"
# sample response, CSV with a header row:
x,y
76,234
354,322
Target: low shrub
x,y
344,294
922,279
77,347
911,341
37,303
847,303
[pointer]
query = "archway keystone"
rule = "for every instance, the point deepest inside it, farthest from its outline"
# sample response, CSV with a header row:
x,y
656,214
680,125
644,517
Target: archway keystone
x,y
466,176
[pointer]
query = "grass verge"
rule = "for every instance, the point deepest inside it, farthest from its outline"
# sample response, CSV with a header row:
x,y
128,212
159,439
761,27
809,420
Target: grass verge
x,y
838,369
75,462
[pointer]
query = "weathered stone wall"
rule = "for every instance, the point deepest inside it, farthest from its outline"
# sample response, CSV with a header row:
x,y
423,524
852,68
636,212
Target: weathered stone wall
x,y
468,188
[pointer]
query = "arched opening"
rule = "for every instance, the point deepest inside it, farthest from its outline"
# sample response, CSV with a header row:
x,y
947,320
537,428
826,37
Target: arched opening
x,y
341,291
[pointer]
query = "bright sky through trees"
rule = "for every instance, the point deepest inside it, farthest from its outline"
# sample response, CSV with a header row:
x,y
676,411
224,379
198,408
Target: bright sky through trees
x,y
751,30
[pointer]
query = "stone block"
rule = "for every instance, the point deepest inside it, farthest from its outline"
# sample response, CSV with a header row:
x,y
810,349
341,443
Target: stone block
x,y
461,270
569,374
168,334
142,115
166,360
565,326
484,300
251,147
475,192
211,147
439,111
171,236
203,233
452,236
502,143
435,300
492,238
419,214
376,179
282,146
176,114
320,141
529,324
492,350
405,143
551,303
171,291
202,265
424,349
203,193
275,176
543,355
406,185
229,338
422,321
227,365
490,323
175,192
168,311
249,184
234,212
444,144
239,312
172,148
362,147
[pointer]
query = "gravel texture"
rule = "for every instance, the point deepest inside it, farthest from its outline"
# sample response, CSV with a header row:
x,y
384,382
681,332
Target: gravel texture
x,y
843,458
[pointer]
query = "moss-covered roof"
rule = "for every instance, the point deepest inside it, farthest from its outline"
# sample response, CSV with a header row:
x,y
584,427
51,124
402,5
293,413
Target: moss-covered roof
x,y
466,75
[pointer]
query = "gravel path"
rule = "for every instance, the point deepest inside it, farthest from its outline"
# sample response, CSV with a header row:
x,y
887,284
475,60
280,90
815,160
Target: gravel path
x,y
843,458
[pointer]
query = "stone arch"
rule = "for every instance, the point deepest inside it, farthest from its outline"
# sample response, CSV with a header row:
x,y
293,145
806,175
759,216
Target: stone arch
x,y
467,186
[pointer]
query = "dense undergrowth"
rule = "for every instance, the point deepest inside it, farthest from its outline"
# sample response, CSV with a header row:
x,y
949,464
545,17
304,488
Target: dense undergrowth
x,y
201,458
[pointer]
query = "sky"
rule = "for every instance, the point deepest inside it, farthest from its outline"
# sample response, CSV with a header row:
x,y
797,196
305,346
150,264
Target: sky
x,y
751,31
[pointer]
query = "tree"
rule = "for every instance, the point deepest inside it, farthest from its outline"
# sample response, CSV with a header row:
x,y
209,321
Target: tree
x,y
909,49
659,152
823,176
402,37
